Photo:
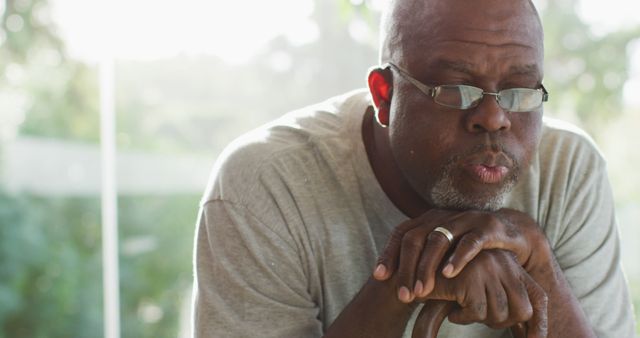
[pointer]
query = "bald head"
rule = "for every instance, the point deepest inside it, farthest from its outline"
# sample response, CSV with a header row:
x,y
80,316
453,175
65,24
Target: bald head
x,y
410,27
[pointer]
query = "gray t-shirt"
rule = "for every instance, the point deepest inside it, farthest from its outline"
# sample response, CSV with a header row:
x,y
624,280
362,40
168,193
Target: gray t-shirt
x,y
293,219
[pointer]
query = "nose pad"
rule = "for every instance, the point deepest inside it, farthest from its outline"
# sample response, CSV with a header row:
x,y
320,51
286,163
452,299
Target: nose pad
x,y
488,116
495,97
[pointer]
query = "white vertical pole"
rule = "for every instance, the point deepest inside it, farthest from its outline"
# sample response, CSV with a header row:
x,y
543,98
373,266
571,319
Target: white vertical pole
x,y
110,273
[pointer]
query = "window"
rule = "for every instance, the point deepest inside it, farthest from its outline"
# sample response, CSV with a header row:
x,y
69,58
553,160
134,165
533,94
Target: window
x,y
184,79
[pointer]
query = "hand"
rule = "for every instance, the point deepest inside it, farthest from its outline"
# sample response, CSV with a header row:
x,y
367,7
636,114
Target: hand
x,y
493,289
416,251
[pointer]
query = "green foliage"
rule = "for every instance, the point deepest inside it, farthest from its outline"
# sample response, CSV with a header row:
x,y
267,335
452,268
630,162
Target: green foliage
x,y
35,30
67,102
51,270
54,95
585,73
49,267
155,265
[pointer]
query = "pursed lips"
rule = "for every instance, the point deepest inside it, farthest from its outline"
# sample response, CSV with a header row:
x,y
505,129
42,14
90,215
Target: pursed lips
x,y
489,167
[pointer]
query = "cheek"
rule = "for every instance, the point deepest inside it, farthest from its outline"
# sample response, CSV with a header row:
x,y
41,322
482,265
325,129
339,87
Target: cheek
x,y
420,144
421,136
528,130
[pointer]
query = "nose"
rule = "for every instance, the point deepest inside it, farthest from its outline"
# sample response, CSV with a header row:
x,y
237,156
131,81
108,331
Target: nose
x,y
488,116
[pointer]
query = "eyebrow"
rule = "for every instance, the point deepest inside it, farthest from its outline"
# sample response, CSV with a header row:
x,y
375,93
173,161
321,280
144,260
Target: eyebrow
x,y
530,69
458,66
467,68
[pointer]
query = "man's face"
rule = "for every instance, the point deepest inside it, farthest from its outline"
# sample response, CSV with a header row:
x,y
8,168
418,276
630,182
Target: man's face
x,y
466,159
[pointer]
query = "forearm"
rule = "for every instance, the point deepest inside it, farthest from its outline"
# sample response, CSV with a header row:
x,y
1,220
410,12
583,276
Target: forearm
x,y
374,312
565,315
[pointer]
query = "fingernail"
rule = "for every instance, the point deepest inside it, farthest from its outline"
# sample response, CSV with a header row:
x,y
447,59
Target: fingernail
x,y
380,271
417,289
404,295
448,270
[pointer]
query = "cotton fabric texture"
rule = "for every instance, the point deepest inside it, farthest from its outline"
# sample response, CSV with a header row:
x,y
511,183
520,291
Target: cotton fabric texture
x,y
293,220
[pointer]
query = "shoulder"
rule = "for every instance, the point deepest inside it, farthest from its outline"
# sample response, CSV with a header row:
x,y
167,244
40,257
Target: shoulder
x,y
567,171
241,168
564,145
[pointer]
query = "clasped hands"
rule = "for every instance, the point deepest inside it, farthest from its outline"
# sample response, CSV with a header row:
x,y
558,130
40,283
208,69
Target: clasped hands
x,y
486,268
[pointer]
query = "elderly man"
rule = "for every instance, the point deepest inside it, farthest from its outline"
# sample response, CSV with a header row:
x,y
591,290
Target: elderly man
x,y
443,182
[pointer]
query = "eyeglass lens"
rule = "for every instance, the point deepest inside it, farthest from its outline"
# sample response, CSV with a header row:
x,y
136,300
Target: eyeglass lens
x,y
464,97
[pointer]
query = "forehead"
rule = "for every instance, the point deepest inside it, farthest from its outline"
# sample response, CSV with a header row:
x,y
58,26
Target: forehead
x,y
489,36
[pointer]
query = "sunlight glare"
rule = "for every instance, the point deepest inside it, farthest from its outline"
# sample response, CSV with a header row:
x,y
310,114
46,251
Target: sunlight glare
x,y
152,29
605,17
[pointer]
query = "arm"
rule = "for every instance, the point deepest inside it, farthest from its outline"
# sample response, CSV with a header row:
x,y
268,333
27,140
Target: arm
x,y
249,280
587,250
240,292
566,316
374,312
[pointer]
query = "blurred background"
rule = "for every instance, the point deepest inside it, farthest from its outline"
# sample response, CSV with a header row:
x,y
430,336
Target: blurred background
x,y
190,76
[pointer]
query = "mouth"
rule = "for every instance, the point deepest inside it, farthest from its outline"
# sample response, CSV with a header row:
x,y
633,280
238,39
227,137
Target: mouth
x,y
488,174
489,167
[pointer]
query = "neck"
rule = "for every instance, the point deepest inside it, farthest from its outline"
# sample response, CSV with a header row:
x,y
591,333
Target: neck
x,y
390,177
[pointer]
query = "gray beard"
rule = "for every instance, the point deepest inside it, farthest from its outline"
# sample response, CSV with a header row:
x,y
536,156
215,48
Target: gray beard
x,y
444,194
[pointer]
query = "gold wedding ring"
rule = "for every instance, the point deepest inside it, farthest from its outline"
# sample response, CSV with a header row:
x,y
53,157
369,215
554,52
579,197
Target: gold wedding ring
x,y
445,232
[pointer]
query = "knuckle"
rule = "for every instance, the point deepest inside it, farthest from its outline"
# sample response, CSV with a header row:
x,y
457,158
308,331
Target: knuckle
x,y
396,236
541,296
404,227
471,241
523,313
477,310
494,224
500,318
480,309
502,309
411,243
399,231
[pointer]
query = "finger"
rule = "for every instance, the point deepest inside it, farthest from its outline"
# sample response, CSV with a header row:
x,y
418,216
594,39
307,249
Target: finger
x,y
471,230
412,245
388,260
537,326
520,308
467,248
487,232
473,308
474,313
435,248
497,306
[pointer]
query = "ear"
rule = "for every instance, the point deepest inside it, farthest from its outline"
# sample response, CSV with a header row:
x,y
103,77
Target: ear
x,y
380,88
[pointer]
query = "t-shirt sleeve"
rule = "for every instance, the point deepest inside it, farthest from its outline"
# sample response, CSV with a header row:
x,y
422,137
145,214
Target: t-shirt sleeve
x,y
250,280
588,251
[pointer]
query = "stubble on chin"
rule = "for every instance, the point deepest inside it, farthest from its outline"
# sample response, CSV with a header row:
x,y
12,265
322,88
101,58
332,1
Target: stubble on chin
x,y
445,194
